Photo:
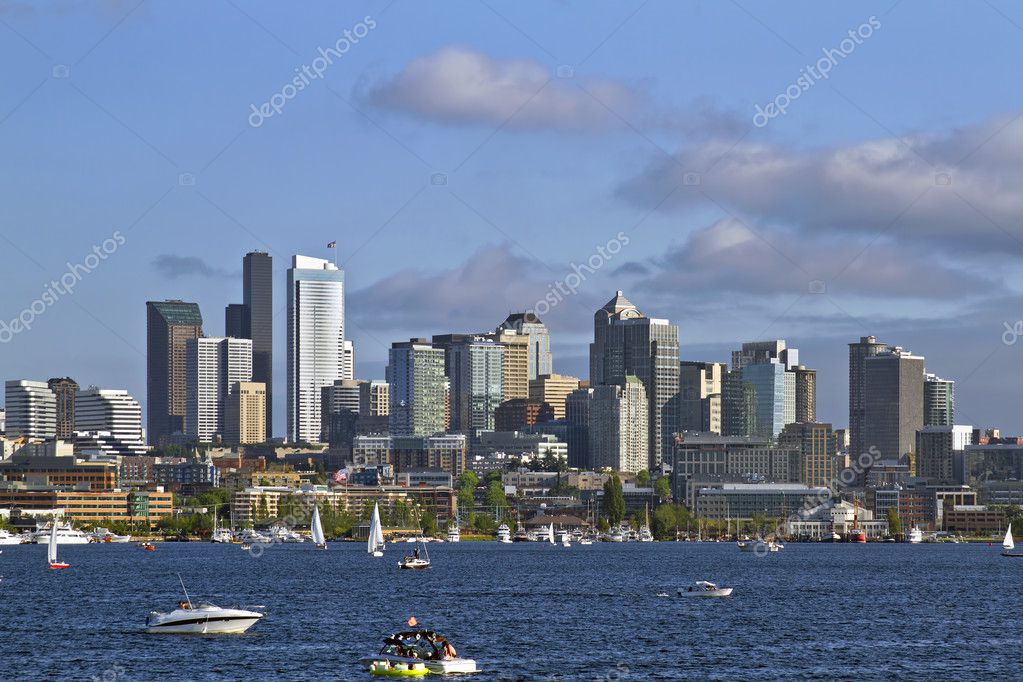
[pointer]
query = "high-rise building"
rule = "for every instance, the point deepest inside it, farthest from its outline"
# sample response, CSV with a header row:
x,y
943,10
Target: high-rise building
x,y
476,369
64,390
553,389
818,449
894,402
520,413
618,426
806,394
936,450
169,324
253,319
341,397
215,365
868,346
31,409
700,396
540,360
415,373
374,398
577,436
348,360
939,401
739,416
516,362
765,352
316,340
245,414
627,342
110,421
774,389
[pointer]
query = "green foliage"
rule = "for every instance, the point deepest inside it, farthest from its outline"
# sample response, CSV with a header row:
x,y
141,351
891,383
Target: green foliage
x,y
495,495
564,490
483,523
665,521
643,479
894,522
1014,515
466,493
613,504
662,486
429,523
602,525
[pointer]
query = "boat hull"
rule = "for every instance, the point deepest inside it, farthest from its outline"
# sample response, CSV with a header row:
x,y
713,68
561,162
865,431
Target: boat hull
x,y
722,592
234,626
452,666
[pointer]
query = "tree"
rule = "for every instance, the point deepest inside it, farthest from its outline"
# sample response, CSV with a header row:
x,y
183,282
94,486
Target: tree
x,y
614,500
662,486
429,523
495,495
894,522
643,479
665,522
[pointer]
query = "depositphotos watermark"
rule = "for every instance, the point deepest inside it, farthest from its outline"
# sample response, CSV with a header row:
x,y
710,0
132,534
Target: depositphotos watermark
x,y
560,290
1012,332
58,288
810,75
307,73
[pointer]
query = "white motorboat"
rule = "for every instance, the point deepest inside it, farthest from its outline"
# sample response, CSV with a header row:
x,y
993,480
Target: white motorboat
x,y
104,535
66,535
375,542
253,537
504,534
454,534
319,539
200,619
916,536
422,646
616,535
222,535
702,588
281,533
9,539
586,541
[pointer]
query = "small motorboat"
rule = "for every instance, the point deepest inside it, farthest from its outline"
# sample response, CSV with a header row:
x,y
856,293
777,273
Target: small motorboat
x,y
702,588
429,648
200,619
148,546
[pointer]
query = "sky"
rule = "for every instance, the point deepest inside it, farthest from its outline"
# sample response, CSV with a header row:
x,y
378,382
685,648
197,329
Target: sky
x,y
748,170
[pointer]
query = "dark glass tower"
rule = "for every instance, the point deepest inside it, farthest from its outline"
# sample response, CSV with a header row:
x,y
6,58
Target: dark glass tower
x,y
169,324
258,299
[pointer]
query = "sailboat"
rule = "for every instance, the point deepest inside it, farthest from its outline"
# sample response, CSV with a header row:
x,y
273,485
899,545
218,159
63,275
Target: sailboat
x,y
375,543
420,558
1008,545
550,533
319,539
51,551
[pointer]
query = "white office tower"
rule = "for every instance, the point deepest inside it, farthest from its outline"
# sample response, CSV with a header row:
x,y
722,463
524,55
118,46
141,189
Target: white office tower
x,y
348,360
31,409
108,422
316,341
214,365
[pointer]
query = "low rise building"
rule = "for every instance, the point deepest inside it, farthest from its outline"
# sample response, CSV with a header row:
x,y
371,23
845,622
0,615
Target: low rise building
x,y
144,507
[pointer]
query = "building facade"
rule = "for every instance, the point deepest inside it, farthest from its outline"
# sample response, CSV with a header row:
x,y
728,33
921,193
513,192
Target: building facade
x,y
169,325
108,422
700,396
618,426
894,411
31,409
64,391
245,414
539,359
939,401
868,346
215,365
415,374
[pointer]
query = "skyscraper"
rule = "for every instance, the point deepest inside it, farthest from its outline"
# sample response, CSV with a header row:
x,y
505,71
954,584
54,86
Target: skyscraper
x,y
110,421
476,371
415,373
577,414
31,409
868,346
806,394
215,365
316,340
253,319
553,389
64,390
700,395
939,401
618,426
517,349
169,324
245,413
936,448
894,404
540,360
627,342
348,360
818,449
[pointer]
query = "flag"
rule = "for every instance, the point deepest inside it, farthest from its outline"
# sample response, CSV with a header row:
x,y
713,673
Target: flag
x,y
341,476
331,245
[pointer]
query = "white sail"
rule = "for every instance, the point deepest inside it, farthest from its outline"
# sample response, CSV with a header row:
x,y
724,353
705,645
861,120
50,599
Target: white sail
x,y
1007,543
376,532
51,551
318,536
550,533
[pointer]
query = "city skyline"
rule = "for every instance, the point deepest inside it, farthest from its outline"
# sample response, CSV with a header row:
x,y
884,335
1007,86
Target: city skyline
x,y
430,221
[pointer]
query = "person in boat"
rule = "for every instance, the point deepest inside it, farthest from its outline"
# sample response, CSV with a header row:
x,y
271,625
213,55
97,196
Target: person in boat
x,y
183,605
416,554
449,651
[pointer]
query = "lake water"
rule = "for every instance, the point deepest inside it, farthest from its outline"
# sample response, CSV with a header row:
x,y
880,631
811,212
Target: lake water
x,y
524,611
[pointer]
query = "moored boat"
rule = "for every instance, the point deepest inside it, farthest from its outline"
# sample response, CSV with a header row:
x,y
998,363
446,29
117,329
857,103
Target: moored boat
x,y
504,534
66,534
916,536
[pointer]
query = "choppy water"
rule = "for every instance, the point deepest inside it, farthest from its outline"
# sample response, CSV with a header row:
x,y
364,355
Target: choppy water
x,y
524,611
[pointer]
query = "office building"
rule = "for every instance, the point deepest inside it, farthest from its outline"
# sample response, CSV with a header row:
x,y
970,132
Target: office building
x,y
774,390
516,362
627,342
577,433
703,458
215,365
108,422
700,396
939,401
348,360
553,389
738,405
374,398
894,410
245,414
868,346
31,409
806,394
938,448
64,391
618,427
540,361
169,325
519,413
765,352
415,374
476,372
316,341
817,445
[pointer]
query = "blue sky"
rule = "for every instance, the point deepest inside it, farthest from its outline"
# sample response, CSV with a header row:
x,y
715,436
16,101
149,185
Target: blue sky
x,y
465,155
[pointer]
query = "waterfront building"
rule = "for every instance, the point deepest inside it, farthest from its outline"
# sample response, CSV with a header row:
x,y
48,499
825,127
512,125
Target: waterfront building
x,y
939,401
553,389
539,359
245,413
937,448
519,413
700,395
868,346
894,411
214,366
64,391
747,500
137,507
618,426
628,343
415,373
316,341
169,325
108,422
31,409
